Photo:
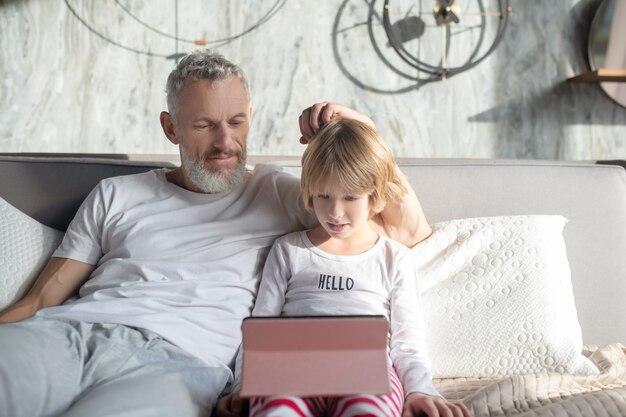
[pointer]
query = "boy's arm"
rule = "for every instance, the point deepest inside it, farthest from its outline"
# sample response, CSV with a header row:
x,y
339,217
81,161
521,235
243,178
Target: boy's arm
x,y
403,221
58,281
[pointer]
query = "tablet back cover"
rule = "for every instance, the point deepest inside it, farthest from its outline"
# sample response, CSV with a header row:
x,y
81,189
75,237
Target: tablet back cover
x,y
315,356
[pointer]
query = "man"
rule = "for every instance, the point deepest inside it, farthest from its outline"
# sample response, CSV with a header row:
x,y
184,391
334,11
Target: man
x,y
166,264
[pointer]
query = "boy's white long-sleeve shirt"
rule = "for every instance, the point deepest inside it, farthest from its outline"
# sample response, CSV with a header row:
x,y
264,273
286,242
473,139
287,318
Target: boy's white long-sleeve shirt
x,y
301,280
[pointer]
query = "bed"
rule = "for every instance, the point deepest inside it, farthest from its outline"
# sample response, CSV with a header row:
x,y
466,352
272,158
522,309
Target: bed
x,y
522,282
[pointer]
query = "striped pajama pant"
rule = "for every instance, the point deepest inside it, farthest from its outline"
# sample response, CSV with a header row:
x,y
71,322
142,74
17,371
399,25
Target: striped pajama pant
x,y
348,406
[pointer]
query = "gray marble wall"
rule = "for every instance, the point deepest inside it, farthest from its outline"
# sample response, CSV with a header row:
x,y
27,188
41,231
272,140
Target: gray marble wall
x,y
88,76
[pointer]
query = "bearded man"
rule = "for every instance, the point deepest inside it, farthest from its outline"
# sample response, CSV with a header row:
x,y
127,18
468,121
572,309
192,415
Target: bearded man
x,y
165,265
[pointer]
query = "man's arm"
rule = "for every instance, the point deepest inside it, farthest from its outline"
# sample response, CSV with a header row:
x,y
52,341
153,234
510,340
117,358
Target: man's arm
x,y
403,221
58,281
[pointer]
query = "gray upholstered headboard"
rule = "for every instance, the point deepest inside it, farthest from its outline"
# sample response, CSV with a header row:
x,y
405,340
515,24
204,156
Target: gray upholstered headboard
x,y
50,189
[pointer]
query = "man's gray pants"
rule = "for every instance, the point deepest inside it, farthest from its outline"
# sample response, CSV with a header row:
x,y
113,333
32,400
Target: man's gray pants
x,y
57,368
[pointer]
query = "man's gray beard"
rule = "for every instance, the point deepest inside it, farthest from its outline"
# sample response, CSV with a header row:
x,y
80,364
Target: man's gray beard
x,y
214,182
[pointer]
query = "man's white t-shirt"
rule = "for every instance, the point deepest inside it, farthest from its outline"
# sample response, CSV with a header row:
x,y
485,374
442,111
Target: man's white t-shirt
x,y
184,265
301,280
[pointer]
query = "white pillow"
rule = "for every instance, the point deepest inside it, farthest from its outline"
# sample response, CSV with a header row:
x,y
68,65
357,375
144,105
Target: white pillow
x,y
497,298
25,247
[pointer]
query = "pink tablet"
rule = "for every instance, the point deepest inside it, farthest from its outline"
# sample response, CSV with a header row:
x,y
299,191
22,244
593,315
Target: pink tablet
x,y
315,356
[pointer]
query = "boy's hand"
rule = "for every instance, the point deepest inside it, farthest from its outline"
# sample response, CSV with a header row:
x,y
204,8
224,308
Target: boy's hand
x,y
418,404
231,405
319,114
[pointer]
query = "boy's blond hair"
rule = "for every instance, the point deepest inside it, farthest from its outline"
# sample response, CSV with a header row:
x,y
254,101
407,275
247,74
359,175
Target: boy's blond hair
x,y
355,156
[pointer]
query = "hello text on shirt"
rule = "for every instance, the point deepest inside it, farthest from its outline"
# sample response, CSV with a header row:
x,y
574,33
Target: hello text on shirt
x,y
334,283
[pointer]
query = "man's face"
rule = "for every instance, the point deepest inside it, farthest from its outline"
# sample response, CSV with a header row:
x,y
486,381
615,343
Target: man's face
x,y
212,128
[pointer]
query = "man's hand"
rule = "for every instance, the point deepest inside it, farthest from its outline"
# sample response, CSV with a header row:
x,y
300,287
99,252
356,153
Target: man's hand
x,y
417,403
316,116
231,405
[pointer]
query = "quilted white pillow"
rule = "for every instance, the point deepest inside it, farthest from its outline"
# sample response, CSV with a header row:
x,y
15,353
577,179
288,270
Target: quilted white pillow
x,y
498,298
25,246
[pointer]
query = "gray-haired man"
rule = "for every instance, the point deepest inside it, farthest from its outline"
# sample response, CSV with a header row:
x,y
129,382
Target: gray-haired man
x,y
166,265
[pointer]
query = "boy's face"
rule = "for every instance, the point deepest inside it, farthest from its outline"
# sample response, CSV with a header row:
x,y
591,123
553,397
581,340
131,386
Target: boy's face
x,y
341,213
